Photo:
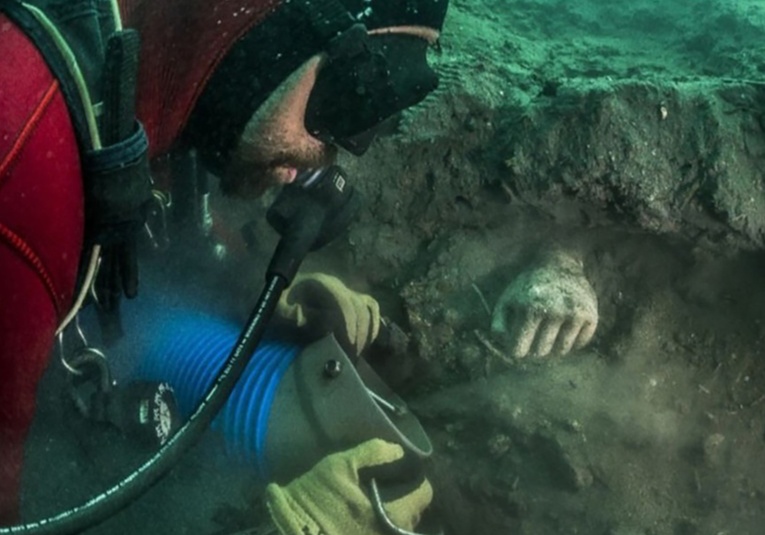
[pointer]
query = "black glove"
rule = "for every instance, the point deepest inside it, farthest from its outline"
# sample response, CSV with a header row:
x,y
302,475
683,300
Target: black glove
x,y
117,204
117,275
117,199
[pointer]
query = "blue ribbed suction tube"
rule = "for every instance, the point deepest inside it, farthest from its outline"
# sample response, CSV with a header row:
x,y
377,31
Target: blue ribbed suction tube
x,y
188,349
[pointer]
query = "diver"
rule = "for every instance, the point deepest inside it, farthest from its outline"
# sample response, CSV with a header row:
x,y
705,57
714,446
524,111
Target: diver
x,y
261,90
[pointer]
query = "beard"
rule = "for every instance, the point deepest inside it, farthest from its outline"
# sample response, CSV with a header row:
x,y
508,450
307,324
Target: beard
x,y
248,180
263,161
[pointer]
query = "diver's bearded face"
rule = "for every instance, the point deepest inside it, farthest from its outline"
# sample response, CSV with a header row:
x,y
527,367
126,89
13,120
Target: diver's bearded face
x,y
272,156
275,144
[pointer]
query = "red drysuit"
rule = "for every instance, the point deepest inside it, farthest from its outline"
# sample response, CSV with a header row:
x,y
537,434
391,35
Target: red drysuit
x,y
41,200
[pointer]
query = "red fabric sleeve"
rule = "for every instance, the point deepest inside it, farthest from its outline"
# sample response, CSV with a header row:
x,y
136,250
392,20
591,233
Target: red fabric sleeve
x,y
41,227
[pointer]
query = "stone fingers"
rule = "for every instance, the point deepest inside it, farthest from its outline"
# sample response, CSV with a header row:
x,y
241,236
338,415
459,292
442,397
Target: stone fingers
x,y
524,325
546,335
533,333
586,333
552,324
568,334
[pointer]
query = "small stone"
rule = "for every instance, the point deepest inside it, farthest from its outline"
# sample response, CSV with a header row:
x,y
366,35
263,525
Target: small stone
x,y
713,450
499,445
583,477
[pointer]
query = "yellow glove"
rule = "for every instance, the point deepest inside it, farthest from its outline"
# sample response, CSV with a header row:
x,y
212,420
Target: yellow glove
x,y
329,498
320,304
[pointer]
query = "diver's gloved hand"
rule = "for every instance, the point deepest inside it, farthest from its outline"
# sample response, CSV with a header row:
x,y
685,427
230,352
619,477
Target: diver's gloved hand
x,y
332,498
319,304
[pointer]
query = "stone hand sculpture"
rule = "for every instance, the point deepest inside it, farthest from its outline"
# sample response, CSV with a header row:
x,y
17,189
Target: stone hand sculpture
x,y
550,308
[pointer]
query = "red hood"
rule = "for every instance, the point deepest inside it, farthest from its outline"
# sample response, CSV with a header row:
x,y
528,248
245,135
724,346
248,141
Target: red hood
x,y
182,42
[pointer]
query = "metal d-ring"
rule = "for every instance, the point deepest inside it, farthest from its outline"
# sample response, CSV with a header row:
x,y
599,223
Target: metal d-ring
x,y
101,382
91,355
382,515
